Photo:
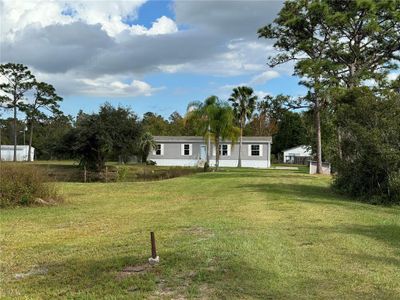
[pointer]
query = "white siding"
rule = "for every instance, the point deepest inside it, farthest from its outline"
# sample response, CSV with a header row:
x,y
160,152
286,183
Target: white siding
x,y
246,163
175,162
162,149
7,153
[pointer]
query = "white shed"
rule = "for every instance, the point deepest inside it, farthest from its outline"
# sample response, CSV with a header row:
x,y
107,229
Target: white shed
x,y
7,153
302,151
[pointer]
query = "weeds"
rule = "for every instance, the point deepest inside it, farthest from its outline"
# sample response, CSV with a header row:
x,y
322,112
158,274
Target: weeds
x,y
22,184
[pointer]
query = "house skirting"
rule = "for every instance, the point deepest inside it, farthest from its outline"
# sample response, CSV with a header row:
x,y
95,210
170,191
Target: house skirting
x,y
176,162
222,163
246,163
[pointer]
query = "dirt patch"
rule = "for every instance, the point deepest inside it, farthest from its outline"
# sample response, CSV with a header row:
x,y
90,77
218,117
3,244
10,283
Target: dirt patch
x,y
205,291
181,286
133,270
34,271
163,291
199,231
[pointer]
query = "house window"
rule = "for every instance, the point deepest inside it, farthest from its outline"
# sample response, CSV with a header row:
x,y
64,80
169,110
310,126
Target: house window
x,y
255,150
186,149
223,150
158,149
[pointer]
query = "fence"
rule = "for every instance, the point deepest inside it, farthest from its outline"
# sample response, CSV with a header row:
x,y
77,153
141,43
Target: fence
x,y
298,160
106,175
326,168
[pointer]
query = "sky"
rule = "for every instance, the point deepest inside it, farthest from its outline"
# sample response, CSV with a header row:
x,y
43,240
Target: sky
x,y
148,55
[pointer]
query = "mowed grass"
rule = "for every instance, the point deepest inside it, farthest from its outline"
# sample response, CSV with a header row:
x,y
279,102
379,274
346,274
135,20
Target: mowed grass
x,y
236,234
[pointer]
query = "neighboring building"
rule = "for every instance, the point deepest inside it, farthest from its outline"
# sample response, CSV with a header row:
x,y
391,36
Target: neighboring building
x,y
299,155
192,151
7,153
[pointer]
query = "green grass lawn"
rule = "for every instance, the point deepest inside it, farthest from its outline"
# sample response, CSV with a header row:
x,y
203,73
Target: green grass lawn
x,y
266,234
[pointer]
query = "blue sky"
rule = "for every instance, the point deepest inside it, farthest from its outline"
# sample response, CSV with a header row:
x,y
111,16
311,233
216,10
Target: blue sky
x,y
148,55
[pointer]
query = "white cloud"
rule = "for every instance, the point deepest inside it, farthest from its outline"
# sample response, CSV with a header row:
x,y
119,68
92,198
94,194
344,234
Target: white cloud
x,y
75,84
264,77
90,49
261,94
17,15
237,57
172,68
163,25
109,86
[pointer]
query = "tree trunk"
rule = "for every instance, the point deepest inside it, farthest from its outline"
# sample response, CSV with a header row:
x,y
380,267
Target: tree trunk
x,y
30,141
240,146
0,144
216,154
339,141
208,146
318,132
15,132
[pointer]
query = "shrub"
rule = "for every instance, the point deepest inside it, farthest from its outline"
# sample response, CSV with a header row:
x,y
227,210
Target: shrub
x,y
160,174
394,186
206,167
370,163
22,184
122,172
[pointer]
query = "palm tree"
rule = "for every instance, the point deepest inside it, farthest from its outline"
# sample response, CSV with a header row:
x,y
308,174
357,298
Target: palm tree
x,y
243,102
214,120
222,127
200,113
146,145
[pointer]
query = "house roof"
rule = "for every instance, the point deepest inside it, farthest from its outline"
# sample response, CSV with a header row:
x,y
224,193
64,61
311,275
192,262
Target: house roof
x,y
246,139
300,146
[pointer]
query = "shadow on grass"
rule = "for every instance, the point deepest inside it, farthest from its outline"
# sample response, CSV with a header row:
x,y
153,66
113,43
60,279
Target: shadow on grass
x,y
389,234
378,259
179,275
184,274
297,192
307,193
189,272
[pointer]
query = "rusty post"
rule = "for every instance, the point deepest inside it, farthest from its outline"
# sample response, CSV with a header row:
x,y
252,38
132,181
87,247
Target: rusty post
x,y
153,245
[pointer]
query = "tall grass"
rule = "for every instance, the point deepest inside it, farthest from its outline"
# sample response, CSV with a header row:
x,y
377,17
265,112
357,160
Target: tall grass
x,y
22,184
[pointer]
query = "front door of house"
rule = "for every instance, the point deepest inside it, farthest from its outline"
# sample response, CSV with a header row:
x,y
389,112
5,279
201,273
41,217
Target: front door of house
x,y
203,152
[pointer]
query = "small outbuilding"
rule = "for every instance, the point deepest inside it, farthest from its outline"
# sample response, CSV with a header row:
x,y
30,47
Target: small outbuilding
x,y
297,155
7,153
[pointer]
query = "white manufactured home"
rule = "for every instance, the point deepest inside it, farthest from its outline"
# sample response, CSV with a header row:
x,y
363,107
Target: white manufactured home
x,y
192,151
7,152
294,155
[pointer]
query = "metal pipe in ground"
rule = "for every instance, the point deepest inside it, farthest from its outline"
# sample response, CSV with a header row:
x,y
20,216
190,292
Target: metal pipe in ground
x,y
153,245
154,259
